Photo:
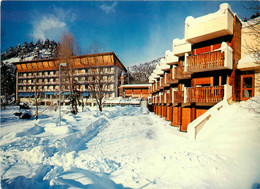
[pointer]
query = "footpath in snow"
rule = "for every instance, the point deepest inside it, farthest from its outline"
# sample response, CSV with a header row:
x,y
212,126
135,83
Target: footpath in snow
x,y
130,147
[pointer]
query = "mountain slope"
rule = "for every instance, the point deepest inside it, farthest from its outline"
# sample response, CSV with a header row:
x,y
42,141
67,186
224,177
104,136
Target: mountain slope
x,y
30,51
140,73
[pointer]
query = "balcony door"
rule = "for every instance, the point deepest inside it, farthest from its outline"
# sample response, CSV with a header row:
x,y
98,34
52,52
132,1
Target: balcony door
x,y
247,86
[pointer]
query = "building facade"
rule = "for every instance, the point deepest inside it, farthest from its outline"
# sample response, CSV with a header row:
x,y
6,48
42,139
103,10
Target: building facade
x,y
202,69
43,76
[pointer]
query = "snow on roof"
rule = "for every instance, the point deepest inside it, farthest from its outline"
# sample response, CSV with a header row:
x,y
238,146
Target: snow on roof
x,y
251,22
178,41
11,60
249,61
222,10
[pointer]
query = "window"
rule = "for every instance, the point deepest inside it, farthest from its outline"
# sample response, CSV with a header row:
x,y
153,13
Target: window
x,y
247,86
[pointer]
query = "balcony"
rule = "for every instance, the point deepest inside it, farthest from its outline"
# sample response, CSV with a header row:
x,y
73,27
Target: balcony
x,y
152,78
161,99
179,73
163,65
178,96
168,98
170,79
158,72
170,58
209,26
180,47
157,99
210,61
212,94
164,81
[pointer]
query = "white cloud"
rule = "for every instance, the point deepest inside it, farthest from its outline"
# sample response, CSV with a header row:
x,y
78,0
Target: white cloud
x,y
108,8
51,25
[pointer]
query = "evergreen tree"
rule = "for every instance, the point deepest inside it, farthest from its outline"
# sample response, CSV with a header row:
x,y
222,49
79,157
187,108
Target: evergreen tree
x,y
8,80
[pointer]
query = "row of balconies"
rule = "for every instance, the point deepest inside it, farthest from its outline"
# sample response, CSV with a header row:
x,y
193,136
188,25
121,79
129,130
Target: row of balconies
x,y
56,87
212,94
57,82
218,59
57,90
31,75
170,78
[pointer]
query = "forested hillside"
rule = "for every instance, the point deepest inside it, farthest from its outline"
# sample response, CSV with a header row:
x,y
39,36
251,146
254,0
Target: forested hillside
x,y
140,73
30,51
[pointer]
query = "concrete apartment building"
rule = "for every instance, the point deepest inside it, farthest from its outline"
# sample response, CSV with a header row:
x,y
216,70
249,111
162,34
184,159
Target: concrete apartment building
x,y
43,75
204,68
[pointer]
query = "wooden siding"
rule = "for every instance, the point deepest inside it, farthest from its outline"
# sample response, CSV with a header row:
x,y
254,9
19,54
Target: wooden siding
x,y
159,110
201,81
186,118
199,112
176,115
236,46
164,111
169,113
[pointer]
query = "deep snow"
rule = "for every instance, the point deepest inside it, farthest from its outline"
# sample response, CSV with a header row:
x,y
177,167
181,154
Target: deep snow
x,y
129,147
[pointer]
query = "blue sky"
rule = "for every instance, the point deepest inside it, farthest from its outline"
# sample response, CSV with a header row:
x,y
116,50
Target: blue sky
x,y
136,31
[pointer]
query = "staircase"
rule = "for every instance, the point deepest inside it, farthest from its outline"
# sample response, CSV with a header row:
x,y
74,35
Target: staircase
x,y
196,125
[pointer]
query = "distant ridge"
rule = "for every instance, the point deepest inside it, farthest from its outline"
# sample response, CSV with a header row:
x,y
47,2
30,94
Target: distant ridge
x,y
30,51
140,73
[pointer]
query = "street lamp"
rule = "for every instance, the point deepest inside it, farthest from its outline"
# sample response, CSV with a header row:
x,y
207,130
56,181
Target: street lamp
x,y
63,65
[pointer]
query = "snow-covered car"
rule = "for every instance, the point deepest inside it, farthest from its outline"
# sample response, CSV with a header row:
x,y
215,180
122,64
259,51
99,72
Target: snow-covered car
x,y
24,114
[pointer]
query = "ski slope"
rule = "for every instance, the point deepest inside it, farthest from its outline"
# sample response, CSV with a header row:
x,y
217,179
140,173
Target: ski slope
x,y
130,147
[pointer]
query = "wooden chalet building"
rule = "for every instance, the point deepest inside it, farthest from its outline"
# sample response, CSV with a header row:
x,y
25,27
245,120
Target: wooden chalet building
x,y
202,69
43,75
134,91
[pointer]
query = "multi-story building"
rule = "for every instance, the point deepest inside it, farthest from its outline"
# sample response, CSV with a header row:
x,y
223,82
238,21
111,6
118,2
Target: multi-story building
x,y
43,75
202,69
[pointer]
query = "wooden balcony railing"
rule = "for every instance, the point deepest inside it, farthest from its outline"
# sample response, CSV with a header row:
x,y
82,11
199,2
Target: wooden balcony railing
x,y
205,61
157,85
170,80
169,98
162,99
205,94
180,74
178,96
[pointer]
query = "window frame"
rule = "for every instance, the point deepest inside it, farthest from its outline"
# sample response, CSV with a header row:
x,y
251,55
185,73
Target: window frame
x,y
242,89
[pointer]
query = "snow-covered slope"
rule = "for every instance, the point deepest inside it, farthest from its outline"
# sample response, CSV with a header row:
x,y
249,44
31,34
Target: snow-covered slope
x,y
140,73
129,147
30,51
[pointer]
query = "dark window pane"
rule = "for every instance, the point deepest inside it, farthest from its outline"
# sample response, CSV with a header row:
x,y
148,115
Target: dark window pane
x,y
247,82
247,93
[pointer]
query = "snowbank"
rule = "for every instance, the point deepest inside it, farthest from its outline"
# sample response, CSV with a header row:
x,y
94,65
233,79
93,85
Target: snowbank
x,y
130,147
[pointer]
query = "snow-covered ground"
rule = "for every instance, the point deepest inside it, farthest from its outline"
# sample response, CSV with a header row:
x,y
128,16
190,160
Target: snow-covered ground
x,y
129,147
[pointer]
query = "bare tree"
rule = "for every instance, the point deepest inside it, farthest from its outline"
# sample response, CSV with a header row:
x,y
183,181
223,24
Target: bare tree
x,y
65,54
36,98
97,86
251,30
